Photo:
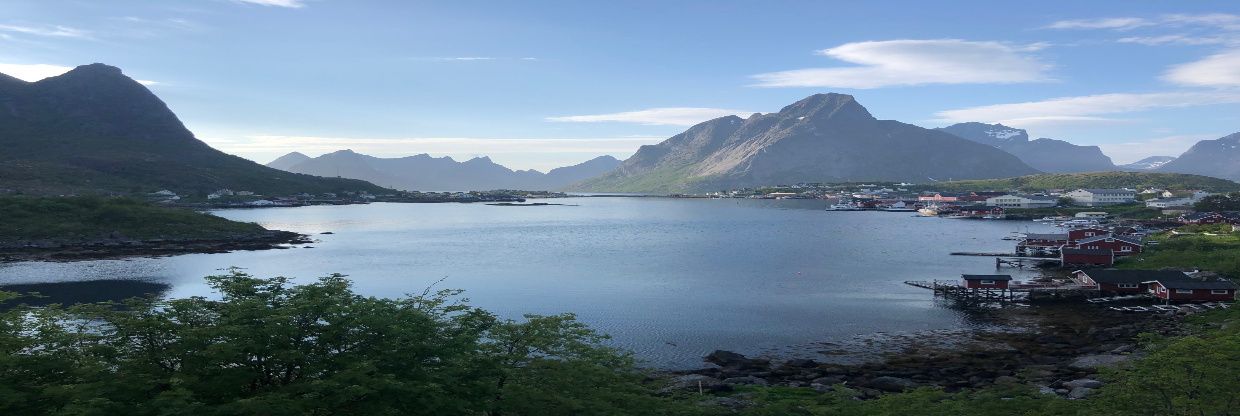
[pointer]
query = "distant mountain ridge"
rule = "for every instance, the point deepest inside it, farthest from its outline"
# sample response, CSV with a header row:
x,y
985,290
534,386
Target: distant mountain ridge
x,y
822,138
1149,163
425,173
94,130
1219,158
1047,155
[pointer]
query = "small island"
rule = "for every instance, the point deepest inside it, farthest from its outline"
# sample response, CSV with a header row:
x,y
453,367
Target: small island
x,y
89,227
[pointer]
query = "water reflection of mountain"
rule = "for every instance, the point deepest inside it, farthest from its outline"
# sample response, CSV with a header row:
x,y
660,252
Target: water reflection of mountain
x,y
69,293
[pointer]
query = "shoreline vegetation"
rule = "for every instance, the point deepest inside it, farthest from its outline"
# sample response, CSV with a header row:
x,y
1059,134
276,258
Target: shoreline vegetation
x,y
319,348
81,228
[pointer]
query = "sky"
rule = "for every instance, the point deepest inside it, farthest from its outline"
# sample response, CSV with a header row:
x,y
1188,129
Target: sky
x,y
541,84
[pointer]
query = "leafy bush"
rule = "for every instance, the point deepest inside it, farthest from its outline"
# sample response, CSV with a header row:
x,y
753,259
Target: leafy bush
x,y
267,347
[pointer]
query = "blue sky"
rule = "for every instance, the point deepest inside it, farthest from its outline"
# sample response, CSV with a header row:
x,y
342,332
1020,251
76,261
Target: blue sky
x,y
540,84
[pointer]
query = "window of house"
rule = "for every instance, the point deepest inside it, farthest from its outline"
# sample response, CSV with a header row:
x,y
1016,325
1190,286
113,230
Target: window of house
x,y
1125,248
1218,292
988,282
1127,285
1185,291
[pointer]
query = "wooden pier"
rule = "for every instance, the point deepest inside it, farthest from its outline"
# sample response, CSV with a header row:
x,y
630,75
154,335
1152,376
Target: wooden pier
x,y
952,289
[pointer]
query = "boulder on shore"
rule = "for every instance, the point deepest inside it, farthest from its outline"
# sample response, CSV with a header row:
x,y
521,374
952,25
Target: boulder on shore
x,y
1099,361
891,384
729,359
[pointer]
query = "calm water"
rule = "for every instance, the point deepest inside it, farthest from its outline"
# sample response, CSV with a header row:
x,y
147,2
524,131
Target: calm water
x,y
671,279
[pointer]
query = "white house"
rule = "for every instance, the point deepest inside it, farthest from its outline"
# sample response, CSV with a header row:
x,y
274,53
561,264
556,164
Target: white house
x,y
1022,201
1169,202
1097,197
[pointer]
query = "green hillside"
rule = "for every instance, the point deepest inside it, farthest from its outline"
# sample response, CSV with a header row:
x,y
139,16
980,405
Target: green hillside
x,y
1095,180
87,218
95,130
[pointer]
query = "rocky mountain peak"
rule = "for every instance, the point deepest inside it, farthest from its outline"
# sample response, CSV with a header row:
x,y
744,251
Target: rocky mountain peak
x,y
830,106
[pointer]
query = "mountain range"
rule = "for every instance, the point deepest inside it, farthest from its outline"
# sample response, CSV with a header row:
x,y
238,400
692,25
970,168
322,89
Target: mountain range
x,y
425,173
93,129
1219,158
822,138
1047,155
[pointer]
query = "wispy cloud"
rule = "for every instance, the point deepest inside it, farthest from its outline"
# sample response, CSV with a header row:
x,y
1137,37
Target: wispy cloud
x,y
671,116
1132,151
1222,21
917,62
46,31
292,4
35,72
1117,23
1219,70
1084,109
1177,39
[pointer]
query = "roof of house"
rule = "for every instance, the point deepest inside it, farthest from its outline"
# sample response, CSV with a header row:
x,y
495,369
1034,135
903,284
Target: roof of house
x,y
1107,191
986,277
1052,237
1125,238
1196,284
1086,251
1134,276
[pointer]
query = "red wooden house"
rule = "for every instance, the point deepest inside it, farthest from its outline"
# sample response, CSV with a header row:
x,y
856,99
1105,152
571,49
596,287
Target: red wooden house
x,y
1079,234
1193,290
1086,257
1125,282
986,281
1122,245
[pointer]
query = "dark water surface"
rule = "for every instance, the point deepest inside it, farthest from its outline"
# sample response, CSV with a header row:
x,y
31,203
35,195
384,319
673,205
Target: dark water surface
x,y
671,279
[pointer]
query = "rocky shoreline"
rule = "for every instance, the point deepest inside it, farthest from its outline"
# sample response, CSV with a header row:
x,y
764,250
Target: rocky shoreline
x,y
1057,348
117,246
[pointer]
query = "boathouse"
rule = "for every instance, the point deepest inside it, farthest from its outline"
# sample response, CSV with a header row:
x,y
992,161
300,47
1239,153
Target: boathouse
x,y
1126,282
1083,233
1193,290
1122,245
986,281
1086,257
1041,244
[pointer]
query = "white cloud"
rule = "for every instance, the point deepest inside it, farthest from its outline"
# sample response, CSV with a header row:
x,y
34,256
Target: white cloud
x,y
47,31
1220,20
35,72
1118,23
916,62
1220,70
293,4
673,116
1087,108
32,72
515,153
1135,150
1178,39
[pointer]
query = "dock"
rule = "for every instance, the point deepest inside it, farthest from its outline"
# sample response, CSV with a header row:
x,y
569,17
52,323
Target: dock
x,y
952,289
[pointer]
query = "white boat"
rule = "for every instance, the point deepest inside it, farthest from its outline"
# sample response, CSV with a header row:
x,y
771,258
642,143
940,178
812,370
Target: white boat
x,y
929,211
843,206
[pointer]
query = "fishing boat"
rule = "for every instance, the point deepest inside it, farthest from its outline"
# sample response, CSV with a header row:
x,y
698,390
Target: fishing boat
x,y
899,207
843,206
931,210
